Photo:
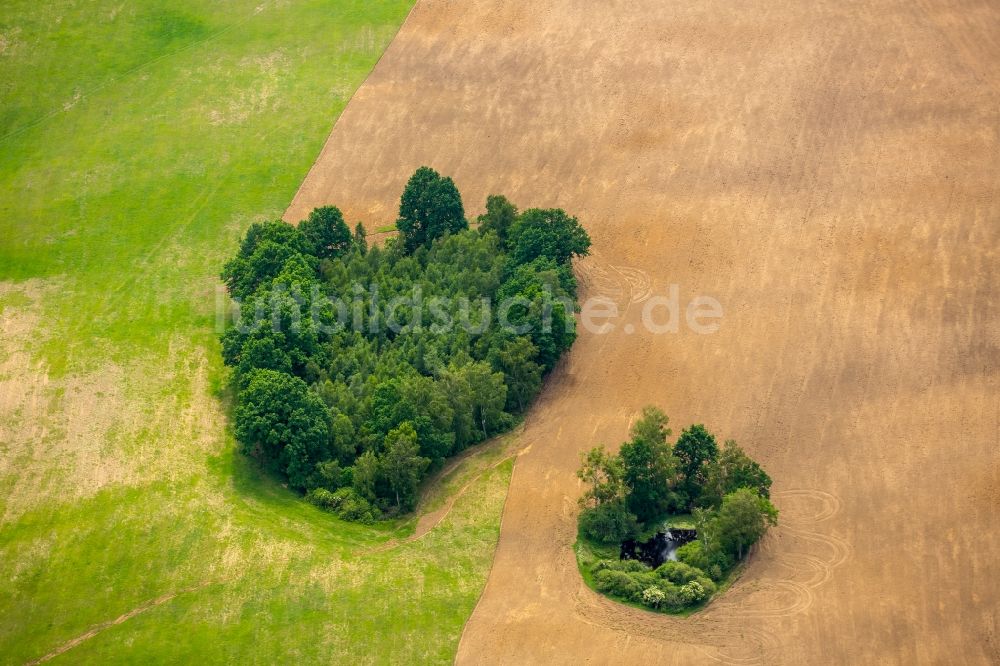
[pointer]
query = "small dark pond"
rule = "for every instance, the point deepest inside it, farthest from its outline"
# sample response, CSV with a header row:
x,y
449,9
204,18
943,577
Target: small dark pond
x,y
661,548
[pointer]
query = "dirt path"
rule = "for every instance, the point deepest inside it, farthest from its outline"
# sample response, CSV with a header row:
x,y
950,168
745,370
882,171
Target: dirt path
x,y
124,617
829,171
430,520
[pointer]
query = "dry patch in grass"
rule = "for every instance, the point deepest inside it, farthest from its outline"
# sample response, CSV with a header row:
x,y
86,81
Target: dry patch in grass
x,y
66,438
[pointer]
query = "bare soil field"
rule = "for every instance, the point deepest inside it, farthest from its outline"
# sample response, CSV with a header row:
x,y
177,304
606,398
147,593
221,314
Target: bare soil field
x,y
829,171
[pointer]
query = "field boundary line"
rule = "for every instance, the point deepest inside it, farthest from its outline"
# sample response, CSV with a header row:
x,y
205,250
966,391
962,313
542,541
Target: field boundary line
x,y
347,106
496,548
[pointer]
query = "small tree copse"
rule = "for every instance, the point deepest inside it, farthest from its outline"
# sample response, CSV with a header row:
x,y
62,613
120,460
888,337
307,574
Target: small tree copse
x,y
632,491
389,396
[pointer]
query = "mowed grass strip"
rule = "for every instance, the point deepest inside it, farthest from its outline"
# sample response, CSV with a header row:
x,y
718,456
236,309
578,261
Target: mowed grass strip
x,y
137,142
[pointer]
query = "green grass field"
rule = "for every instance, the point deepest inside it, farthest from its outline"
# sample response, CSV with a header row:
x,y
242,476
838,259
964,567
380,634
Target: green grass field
x,y
137,142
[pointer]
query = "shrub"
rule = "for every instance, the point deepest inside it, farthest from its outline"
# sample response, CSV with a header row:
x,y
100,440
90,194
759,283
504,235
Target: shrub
x,y
646,578
678,572
345,502
653,597
693,592
693,555
671,596
617,583
707,584
322,405
628,566
355,507
322,498
600,566
677,585
609,522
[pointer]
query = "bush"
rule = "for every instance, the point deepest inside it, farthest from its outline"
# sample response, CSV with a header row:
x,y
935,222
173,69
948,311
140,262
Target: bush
x,y
345,502
629,566
693,592
678,585
609,522
693,555
617,583
653,597
678,572
322,498
671,596
355,507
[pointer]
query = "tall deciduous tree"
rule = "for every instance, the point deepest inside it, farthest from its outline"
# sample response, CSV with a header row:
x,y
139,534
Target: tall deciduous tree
x,y
265,249
549,233
603,472
734,469
652,426
361,238
515,358
489,396
403,465
499,217
741,521
364,475
695,451
326,232
429,208
283,424
650,467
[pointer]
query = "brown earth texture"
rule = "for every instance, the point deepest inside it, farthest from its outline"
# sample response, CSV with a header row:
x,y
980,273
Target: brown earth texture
x,y
829,172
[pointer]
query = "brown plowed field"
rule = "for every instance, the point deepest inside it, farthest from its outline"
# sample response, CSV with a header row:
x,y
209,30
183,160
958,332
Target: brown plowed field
x,y
829,171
